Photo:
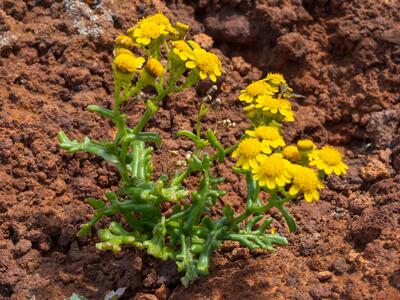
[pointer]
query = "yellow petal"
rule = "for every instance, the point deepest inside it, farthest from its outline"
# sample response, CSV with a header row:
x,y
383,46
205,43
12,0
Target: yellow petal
x,y
137,32
262,183
294,189
253,163
235,153
182,56
261,157
316,195
336,170
217,71
308,197
190,65
328,170
250,133
271,183
280,181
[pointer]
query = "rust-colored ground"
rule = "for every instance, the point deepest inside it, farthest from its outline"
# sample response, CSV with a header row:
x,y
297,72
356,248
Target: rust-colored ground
x,y
344,56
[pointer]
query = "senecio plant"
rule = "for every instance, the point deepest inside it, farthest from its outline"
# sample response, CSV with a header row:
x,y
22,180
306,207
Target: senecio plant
x,y
155,59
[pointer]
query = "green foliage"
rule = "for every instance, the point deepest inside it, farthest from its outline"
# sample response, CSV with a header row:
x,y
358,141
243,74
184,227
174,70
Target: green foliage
x,y
187,235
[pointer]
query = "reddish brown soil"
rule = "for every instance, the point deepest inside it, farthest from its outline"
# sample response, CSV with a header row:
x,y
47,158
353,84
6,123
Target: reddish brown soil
x,y
344,56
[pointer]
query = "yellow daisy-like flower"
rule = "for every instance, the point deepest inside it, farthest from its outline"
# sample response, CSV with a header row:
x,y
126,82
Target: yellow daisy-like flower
x,y
270,136
182,27
289,117
275,79
207,63
305,180
125,41
160,19
248,152
291,153
329,160
272,172
255,90
282,106
184,49
147,31
118,51
128,63
154,67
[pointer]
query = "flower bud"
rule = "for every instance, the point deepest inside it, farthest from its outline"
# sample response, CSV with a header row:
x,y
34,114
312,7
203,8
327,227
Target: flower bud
x,y
305,145
154,67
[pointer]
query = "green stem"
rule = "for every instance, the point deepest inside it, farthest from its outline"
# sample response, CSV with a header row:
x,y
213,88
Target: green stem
x,y
117,93
227,151
209,246
150,111
199,202
178,180
138,147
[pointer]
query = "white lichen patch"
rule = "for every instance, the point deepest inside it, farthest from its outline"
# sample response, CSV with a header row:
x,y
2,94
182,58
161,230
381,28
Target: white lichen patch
x,y
87,21
6,39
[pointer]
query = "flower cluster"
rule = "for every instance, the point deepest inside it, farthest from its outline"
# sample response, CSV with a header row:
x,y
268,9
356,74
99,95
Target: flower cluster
x,y
268,99
289,170
148,36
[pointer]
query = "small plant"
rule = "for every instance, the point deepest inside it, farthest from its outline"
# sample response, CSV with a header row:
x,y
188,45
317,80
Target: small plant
x,y
275,173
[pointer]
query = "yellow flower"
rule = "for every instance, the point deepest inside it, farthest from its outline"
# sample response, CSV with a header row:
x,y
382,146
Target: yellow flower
x,y
207,63
181,26
154,67
147,31
160,19
275,79
118,51
184,49
128,63
125,41
289,117
248,152
291,153
305,145
305,180
282,106
269,135
272,172
255,90
329,160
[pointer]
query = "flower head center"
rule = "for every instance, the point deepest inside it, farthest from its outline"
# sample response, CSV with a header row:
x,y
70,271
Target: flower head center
x,y
159,19
258,88
151,29
275,78
249,147
205,61
267,132
306,179
273,166
291,153
330,156
128,63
